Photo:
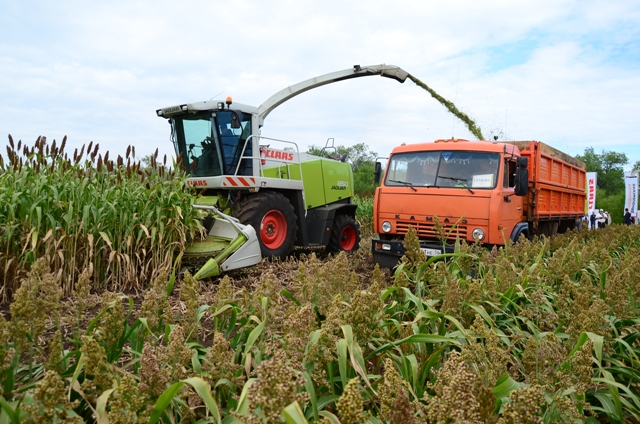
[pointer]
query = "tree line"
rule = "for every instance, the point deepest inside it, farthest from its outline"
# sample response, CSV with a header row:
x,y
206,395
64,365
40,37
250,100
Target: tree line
x,y
362,160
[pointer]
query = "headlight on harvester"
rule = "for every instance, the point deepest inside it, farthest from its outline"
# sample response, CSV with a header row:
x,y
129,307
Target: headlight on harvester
x,y
386,226
478,234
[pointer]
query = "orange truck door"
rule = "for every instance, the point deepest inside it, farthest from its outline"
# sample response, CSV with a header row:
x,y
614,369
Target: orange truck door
x,y
510,205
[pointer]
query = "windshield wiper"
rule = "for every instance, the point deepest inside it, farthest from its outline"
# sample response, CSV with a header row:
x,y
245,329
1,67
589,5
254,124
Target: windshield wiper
x,y
404,183
462,181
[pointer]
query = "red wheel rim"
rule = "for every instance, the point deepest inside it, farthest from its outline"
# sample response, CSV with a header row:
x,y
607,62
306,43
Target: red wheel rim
x,y
348,238
273,229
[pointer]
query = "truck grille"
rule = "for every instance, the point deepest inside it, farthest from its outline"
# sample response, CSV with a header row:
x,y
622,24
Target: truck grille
x,y
427,229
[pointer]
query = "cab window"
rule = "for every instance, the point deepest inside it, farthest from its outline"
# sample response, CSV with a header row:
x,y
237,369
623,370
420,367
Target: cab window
x,y
509,173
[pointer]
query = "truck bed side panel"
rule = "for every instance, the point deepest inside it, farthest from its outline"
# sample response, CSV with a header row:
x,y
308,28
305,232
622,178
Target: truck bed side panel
x,y
557,183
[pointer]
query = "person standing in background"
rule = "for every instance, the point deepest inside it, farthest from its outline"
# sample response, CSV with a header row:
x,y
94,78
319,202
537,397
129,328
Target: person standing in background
x,y
600,219
592,220
579,223
627,216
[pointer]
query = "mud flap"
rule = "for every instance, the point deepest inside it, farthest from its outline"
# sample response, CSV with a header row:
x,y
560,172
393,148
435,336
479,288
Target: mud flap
x,y
237,245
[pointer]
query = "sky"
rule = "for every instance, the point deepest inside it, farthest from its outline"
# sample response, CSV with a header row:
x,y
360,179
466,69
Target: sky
x,y
564,72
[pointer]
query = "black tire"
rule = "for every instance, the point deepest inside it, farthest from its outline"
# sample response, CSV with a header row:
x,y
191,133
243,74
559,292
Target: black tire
x,y
345,235
272,216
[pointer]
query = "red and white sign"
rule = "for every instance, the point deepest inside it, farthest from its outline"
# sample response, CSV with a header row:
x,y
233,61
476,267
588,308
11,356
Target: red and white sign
x,y
631,194
238,182
276,154
197,183
592,179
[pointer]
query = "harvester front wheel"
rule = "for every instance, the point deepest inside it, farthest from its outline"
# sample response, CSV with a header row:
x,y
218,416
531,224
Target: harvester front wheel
x,y
273,217
345,235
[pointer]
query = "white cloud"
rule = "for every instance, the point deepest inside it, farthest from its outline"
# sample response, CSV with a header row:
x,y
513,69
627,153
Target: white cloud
x,y
564,72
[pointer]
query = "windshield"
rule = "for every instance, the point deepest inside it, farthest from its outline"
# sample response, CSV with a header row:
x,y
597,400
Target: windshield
x,y
459,169
212,144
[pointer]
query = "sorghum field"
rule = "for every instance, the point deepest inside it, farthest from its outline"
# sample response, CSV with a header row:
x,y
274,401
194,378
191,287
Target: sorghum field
x,y
99,325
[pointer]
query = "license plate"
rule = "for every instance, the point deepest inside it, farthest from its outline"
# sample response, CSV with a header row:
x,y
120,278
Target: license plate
x,y
431,252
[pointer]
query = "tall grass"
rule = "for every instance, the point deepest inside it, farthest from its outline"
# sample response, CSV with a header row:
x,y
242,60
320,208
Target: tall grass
x,y
364,214
116,218
537,332
543,331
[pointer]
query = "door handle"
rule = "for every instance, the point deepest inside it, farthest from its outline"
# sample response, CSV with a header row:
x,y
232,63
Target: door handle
x,y
519,208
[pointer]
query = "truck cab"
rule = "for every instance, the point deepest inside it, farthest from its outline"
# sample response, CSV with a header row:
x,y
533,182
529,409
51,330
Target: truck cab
x,y
449,190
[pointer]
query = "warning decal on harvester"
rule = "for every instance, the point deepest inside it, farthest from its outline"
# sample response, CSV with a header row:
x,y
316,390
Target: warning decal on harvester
x,y
238,182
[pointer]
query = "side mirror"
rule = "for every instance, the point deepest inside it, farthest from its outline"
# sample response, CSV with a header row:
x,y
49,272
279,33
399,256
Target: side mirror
x,y
377,173
522,162
521,187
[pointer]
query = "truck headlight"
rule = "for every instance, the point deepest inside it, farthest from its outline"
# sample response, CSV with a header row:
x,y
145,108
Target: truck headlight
x,y
478,234
386,226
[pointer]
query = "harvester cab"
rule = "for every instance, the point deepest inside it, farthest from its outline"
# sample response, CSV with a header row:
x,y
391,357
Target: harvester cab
x,y
262,195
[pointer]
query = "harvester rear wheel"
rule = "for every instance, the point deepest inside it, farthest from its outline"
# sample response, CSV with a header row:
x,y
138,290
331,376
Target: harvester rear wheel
x,y
272,216
345,235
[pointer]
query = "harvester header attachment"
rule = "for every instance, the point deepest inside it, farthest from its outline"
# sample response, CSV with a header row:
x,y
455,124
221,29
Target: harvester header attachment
x,y
229,245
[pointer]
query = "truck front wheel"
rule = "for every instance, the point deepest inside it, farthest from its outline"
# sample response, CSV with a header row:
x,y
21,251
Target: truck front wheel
x,y
345,235
273,217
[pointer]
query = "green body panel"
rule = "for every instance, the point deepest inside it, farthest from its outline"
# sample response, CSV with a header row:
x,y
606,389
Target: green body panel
x,y
290,172
337,180
324,180
313,183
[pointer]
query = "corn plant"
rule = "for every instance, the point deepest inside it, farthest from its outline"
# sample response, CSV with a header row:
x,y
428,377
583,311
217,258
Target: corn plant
x,y
119,219
539,331
364,213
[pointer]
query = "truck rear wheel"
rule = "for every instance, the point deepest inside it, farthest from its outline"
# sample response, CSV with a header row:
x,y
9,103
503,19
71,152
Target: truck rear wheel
x,y
273,218
345,235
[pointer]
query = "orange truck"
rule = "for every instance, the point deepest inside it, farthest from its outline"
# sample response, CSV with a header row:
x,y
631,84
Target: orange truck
x,y
490,192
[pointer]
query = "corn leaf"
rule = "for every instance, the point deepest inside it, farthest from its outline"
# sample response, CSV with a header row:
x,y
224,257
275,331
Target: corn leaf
x,y
293,414
11,413
253,336
204,391
504,386
101,407
163,402
331,417
308,385
341,348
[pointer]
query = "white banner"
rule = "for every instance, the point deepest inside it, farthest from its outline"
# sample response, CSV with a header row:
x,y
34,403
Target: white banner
x,y
631,194
592,179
